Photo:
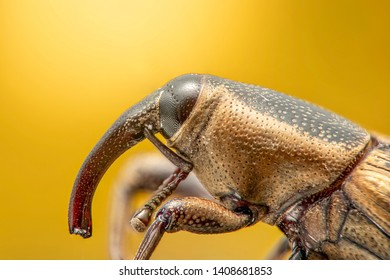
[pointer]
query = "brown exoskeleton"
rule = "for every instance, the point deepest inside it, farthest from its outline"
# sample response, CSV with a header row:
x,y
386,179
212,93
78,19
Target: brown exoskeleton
x,y
263,156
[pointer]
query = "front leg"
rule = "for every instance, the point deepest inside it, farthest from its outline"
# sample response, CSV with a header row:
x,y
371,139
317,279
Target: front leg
x,y
144,173
195,215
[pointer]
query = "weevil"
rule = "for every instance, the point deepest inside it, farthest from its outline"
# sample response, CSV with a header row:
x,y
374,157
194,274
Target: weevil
x,y
262,156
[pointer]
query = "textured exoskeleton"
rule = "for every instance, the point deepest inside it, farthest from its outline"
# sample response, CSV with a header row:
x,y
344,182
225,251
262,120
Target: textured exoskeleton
x,y
263,156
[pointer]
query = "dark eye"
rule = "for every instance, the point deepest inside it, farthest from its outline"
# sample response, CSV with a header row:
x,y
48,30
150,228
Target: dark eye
x,y
177,101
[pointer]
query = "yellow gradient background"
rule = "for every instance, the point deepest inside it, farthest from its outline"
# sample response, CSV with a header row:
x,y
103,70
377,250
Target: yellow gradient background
x,y
68,69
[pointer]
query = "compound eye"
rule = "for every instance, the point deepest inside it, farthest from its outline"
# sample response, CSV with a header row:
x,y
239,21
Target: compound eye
x,y
177,101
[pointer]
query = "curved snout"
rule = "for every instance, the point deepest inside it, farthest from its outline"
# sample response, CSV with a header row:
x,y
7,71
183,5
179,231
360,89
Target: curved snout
x,y
127,131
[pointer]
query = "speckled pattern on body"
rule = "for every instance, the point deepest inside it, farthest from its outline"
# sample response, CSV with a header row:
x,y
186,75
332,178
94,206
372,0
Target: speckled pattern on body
x,y
270,148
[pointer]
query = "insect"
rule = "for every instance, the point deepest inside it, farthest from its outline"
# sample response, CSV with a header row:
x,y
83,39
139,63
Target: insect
x,y
262,156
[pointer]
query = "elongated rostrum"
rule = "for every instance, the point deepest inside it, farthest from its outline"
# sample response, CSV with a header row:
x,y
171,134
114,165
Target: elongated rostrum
x,y
263,156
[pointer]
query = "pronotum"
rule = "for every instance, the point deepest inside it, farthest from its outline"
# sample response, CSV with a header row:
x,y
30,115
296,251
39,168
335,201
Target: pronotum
x,y
262,156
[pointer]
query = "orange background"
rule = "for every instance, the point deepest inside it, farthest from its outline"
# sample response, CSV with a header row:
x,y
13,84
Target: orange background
x,y
68,69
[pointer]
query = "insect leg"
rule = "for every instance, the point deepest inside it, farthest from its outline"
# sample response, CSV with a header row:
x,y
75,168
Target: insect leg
x,y
142,174
191,214
298,253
